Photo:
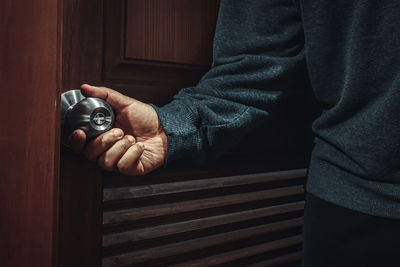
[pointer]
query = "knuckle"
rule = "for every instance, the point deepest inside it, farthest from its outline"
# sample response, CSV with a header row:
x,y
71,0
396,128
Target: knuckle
x,y
113,135
136,149
107,138
125,144
130,139
108,164
123,167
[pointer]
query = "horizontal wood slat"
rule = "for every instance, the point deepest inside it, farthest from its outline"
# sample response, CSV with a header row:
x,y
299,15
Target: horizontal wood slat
x,y
179,207
137,257
249,251
191,225
279,261
202,222
132,192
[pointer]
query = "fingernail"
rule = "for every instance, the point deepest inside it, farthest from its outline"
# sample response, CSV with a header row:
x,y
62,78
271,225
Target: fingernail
x,y
130,138
118,133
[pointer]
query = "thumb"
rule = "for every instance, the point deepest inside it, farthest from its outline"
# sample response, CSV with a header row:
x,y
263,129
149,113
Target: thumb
x,y
117,100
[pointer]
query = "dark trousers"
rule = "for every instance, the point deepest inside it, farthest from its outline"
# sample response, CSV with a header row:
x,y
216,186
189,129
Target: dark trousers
x,y
338,237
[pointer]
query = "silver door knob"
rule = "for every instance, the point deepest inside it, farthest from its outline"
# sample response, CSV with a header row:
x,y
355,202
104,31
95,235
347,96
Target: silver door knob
x,y
92,115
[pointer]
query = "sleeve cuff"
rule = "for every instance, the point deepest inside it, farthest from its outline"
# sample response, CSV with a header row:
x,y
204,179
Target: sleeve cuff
x,y
180,126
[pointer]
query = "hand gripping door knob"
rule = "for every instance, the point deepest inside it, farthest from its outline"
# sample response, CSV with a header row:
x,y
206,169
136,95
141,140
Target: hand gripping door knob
x,y
92,115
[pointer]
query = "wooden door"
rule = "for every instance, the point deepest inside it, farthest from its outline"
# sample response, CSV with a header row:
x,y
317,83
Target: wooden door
x,y
29,143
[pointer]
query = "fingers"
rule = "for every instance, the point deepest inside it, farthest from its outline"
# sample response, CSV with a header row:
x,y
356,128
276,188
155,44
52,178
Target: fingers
x,y
102,143
115,99
129,164
113,150
76,141
109,159
123,156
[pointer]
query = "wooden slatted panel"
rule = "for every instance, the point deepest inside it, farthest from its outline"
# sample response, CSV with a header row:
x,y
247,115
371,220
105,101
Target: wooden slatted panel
x,y
174,249
292,259
198,204
191,225
249,251
244,219
187,186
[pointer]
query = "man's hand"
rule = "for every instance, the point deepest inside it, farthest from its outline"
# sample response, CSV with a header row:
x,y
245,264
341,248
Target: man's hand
x,y
137,144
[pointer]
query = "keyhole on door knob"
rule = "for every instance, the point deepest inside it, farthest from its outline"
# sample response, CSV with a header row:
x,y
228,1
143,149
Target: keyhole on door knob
x,y
99,118
92,115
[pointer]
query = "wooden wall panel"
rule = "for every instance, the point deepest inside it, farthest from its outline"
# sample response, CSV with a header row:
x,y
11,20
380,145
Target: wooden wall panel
x,y
178,31
29,131
204,221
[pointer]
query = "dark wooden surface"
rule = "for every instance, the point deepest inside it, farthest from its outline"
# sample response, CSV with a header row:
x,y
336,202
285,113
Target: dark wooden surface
x,y
82,53
203,221
28,135
177,31
80,212
142,77
80,209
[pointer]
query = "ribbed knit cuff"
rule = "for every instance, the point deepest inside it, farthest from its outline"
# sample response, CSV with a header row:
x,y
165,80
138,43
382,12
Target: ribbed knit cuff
x,y
179,124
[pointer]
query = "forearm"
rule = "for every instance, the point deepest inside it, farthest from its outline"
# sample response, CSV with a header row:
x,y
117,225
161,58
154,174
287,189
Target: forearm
x,y
257,60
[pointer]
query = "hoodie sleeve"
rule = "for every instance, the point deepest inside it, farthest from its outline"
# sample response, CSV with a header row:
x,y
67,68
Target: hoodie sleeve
x,y
258,59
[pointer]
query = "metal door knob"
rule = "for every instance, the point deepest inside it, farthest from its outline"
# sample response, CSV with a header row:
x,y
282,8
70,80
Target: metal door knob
x,y
92,115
